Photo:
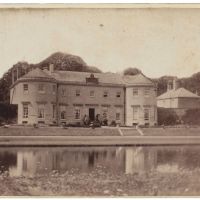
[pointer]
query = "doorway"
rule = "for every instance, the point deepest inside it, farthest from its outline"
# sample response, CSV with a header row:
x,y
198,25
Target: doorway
x,y
92,114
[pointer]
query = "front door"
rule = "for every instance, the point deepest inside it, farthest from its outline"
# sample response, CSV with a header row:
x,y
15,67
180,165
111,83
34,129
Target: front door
x,y
92,114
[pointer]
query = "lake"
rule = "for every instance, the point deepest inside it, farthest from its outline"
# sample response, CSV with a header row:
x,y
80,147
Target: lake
x,y
34,161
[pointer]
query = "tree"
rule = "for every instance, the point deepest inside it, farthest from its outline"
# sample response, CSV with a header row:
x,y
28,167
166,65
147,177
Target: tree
x,y
132,71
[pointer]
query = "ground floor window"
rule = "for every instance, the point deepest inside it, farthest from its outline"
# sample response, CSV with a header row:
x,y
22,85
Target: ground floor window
x,y
117,116
146,114
54,110
62,112
77,113
25,110
135,112
41,111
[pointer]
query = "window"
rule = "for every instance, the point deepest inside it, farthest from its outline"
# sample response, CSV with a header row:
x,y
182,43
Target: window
x,y
135,112
135,91
63,92
78,93
146,114
92,93
146,91
77,113
105,94
41,111
25,88
117,116
54,89
25,110
62,112
41,88
54,110
118,94
105,111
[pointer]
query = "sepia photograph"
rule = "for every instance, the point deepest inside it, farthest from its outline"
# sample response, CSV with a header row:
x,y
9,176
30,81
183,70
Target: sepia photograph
x,y
100,100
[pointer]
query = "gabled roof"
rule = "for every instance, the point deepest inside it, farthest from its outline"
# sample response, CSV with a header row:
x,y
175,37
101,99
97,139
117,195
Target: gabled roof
x,y
137,80
179,93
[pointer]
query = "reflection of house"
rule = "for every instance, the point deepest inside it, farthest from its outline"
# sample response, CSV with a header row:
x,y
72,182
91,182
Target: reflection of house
x,y
177,98
139,160
30,163
64,97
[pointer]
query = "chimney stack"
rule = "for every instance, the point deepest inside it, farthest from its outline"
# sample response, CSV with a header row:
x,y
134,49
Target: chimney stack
x,y
169,85
175,83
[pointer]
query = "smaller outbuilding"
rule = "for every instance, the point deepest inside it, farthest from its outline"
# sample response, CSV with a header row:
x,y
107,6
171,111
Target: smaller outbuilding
x,y
178,98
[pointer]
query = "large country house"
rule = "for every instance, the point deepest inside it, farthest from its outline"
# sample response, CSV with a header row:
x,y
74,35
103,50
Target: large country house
x,y
56,97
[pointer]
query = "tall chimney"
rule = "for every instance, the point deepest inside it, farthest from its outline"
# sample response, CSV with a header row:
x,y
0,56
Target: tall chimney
x,y
51,68
169,85
175,83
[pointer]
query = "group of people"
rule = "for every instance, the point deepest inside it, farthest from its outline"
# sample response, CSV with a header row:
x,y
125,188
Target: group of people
x,y
98,121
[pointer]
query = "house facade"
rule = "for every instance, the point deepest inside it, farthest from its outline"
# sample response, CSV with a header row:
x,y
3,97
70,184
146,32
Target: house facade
x,y
56,97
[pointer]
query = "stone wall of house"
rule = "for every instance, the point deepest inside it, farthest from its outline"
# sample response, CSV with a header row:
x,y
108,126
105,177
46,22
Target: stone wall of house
x,y
34,99
112,103
136,104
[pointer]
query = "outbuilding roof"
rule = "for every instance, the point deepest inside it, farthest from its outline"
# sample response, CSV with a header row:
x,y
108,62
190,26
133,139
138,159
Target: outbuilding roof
x,y
178,93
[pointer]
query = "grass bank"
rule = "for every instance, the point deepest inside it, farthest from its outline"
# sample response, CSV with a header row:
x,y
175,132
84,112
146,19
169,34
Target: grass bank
x,y
99,182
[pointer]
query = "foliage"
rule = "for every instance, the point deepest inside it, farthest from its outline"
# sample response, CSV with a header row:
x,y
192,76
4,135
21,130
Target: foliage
x,y
131,71
192,116
7,112
167,116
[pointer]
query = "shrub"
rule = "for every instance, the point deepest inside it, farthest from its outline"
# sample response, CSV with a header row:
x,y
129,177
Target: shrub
x,y
167,116
192,116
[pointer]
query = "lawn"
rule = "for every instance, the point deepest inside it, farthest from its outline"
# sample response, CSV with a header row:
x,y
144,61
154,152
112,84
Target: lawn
x,y
172,131
53,131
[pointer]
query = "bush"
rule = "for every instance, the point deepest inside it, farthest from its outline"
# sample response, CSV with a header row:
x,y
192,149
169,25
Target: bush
x,y
167,116
8,112
192,116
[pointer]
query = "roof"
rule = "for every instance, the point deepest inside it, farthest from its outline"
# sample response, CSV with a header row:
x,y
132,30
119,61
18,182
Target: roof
x,y
178,93
103,78
80,77
37,73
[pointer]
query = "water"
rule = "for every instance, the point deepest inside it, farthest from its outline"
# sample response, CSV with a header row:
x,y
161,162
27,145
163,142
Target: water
x,y
138,159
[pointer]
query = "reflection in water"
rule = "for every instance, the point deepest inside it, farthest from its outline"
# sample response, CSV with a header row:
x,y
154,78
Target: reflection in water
x,y
129,160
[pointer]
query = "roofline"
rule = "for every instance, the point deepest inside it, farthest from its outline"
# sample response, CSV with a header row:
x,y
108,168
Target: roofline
x,y
177,98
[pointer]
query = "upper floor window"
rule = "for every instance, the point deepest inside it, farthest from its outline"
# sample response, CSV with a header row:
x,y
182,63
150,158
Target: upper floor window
x,y
25,88
92,93
135,91
54,89
105,94
78,93
147,91
41,88
25,110
63,92
118,94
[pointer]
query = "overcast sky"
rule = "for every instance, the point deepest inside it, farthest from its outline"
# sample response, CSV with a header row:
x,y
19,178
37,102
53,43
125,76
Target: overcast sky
x,y
157,41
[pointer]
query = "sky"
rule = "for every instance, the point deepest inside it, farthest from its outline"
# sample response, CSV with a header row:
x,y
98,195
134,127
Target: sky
x,y
159,41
